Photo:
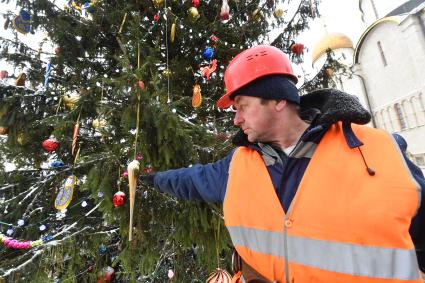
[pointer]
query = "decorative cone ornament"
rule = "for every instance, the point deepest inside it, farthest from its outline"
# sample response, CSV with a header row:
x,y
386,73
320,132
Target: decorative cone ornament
x,y
133,172
119,199
297,48
219,276
329,72
225,11
196,96
51,144
173,32
20,81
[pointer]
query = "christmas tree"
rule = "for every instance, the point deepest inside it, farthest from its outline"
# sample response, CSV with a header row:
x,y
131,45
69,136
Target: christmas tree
x,y
111,82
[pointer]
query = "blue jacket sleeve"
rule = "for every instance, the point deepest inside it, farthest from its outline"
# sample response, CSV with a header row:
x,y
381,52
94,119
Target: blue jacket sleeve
x,y
199,182
417,227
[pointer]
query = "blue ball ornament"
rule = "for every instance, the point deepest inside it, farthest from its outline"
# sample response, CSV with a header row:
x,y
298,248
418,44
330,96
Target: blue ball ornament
x,y
208,53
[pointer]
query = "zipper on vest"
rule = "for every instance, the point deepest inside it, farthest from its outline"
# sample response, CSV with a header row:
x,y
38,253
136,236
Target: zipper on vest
x,y
285,247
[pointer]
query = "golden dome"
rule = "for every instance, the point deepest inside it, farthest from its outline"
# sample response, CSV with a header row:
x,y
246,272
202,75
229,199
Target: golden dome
x,y
331,41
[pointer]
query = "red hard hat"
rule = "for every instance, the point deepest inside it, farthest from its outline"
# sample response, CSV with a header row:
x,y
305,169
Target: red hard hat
x,y
251,64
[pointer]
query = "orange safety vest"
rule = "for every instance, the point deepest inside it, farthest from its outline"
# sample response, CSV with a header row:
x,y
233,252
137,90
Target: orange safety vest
x,y
343,225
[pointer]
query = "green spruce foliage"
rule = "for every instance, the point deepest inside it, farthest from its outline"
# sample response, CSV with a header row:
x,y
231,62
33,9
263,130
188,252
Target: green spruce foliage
x,y
96,61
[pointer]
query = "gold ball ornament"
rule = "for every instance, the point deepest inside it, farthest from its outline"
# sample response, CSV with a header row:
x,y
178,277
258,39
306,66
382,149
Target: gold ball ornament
x,y
70,100
219,276
158,3
193,13
329,72
167,73
99,124
278,13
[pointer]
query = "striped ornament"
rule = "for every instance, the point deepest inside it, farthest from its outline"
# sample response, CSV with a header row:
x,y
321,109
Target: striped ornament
x,y
219,276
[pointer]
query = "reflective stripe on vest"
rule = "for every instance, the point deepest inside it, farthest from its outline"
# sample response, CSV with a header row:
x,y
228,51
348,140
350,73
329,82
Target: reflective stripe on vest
x,y
352,259
343,225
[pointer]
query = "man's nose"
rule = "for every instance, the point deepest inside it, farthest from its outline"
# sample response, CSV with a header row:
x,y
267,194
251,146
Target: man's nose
x,y
238,119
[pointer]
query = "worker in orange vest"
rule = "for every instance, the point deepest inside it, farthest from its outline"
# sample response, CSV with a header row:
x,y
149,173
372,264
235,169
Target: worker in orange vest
x,y
310,194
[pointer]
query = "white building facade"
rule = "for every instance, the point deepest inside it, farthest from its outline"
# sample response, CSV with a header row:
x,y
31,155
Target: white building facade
x,y
389,70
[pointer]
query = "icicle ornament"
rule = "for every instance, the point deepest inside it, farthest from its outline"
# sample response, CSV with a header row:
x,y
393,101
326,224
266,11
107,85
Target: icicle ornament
x,y
133,172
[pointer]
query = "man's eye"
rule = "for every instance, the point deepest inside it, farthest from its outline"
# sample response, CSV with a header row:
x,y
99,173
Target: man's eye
x,y
233,108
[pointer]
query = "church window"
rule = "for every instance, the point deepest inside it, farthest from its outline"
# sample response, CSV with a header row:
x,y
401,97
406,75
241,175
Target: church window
x,y
381,51
400,116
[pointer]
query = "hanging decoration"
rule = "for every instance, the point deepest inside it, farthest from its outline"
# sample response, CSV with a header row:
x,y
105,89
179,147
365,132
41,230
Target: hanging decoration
x,y
297,48
51,144
219,276
56,164
106,275
278,12
99,124
208,53
214,39
329,72
64,196
257,15
156,17
170,274
70,100
47,74
75,137
173,32
3,74
158,3
225,11
195,3
88,8
196,96
312,8
3,130
139,84
22,22
21,245
194,14
208,70
20,81
119,199
148,169
133,172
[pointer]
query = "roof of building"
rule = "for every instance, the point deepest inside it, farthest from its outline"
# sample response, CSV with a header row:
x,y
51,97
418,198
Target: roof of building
x,y
396,16
331,41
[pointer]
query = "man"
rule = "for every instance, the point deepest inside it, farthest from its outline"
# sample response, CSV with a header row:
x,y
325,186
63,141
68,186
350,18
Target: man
x,y
308,194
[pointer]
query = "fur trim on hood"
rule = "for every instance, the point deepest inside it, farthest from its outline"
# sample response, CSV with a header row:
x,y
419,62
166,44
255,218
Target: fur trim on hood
x,y
325,107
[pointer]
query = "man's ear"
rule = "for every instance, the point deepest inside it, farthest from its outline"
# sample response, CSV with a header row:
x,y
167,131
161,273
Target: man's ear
x,y
280,105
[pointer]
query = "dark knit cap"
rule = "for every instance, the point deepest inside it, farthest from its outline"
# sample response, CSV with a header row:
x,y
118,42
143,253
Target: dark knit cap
x,y
270,87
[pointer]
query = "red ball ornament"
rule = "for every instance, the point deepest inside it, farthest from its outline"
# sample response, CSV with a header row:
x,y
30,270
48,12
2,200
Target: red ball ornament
x,y
124,175
219,276
3,74
139,84
148,169
107,275
156,17
297,48
195,3
51,144
118,199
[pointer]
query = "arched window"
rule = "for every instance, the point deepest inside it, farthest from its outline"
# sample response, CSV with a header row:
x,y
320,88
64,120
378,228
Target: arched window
x,y
400,116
